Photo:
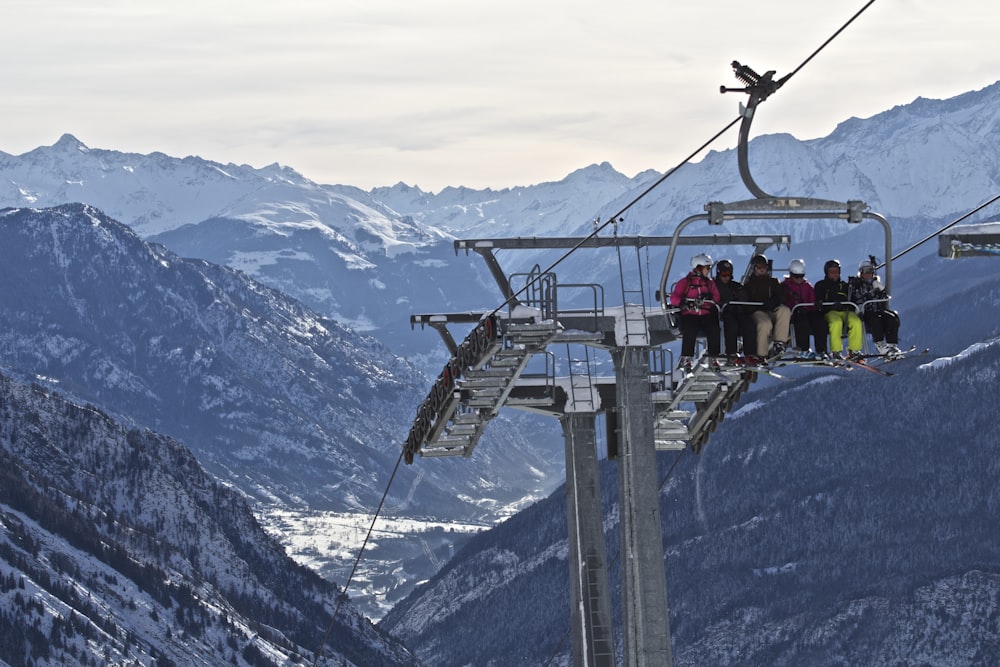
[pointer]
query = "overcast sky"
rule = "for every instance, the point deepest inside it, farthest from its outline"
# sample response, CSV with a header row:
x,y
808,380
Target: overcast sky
x,y
465,92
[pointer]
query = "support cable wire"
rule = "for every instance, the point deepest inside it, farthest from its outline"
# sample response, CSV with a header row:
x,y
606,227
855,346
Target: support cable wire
x,y
357,560
615,217
779,83
945,228
672,466
669,173
822,46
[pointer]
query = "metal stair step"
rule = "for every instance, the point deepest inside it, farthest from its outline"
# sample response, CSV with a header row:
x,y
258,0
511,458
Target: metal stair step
x,y
485,402
669,426
507,358
486,392
463,429
449,441
669,445
440,452
693,396
675,415
484,383
529,401
467,418
488,373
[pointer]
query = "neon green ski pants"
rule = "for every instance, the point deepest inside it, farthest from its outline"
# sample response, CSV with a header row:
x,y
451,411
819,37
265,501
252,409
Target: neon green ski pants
x,y
836,320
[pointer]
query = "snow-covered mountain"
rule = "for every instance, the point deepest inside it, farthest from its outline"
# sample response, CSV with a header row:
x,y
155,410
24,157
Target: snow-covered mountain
x,y
355,256
117,547
287,402
269,223
156,193
929,159
294,409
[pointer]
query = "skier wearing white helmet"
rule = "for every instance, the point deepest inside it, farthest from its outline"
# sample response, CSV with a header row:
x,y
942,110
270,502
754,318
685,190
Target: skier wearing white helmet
x,y
800,297
697,297
882,323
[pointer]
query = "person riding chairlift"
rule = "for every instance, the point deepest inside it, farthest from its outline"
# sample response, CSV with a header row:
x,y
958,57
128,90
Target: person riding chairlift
x,y
882,323
771,316
697,296
833,299
800,297
736,320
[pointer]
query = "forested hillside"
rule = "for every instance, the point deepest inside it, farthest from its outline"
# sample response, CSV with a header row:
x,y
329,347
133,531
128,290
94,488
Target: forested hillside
x,y
116,547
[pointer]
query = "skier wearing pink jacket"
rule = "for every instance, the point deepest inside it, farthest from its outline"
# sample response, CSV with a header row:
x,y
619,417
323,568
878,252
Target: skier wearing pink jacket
x,y
698,298
800,297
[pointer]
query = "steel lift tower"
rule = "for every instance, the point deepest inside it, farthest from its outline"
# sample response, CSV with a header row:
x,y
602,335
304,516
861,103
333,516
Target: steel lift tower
x,y
647,406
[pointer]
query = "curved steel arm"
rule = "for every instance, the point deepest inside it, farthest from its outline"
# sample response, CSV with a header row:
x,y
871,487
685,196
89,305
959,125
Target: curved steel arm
x,y
664,296
759,88
743,154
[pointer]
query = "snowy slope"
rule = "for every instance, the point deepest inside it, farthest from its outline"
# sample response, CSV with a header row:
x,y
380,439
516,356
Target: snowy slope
x,y
116,547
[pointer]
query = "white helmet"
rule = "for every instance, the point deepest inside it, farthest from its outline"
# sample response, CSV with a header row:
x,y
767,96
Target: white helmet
x,y
866,265
701,260
797,267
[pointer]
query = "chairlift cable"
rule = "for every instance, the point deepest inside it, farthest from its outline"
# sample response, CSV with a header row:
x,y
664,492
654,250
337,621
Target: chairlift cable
x,y
945,228
354,569
672,466
669,173
617,215
822,46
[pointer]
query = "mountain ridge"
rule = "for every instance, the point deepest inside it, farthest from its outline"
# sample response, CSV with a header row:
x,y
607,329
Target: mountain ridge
x,y
197,350
294,409
335,247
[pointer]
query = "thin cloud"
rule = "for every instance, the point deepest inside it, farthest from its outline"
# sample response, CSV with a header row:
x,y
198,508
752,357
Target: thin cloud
x,y
448,92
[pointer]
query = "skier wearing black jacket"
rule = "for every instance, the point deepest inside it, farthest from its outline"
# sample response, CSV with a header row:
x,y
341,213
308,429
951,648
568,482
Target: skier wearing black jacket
x,y
736,320
882,323
833,299
771,317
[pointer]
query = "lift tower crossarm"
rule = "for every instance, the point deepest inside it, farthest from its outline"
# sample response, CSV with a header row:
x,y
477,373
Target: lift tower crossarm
x,y
485,248
440,321
556,242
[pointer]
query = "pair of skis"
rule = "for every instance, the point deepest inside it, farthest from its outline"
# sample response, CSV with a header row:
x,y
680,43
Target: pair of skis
x,y
902,354
766,367
849,364
716,367
861,362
